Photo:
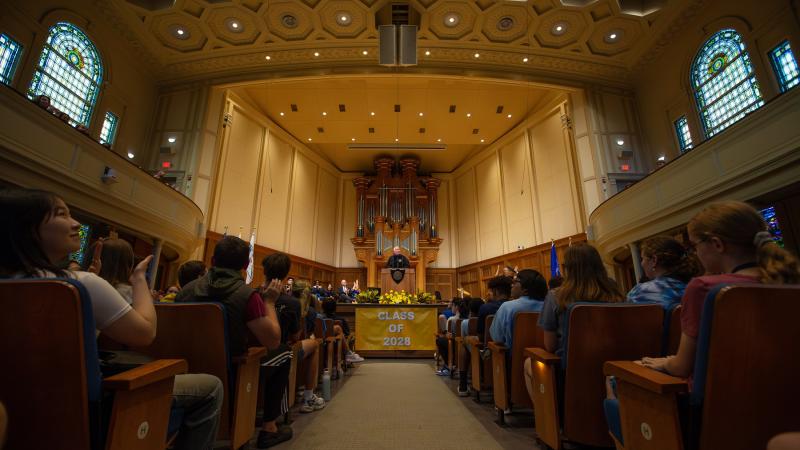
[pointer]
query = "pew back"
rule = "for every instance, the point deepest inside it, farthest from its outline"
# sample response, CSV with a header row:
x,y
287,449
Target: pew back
x,y
750,343
597,333
526,334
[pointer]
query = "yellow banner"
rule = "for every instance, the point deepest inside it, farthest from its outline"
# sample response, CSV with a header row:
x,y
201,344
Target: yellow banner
x,y
395,328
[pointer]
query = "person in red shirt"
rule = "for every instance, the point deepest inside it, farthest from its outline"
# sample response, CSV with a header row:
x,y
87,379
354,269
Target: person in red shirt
x,y
732,242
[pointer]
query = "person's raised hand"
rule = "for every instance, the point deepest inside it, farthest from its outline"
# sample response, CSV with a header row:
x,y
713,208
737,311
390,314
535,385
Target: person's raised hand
x,y
97,258
272,291
140,270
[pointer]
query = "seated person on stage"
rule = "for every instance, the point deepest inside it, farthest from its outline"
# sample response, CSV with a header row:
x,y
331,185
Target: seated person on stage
x,y
355,290
460,307
329,312
668,267
533,289
474,307
251,318
397,260
345,293
289,285
309,350
37,233
318,290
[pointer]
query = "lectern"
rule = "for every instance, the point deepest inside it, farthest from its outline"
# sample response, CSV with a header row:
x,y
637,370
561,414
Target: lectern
x,y
408,283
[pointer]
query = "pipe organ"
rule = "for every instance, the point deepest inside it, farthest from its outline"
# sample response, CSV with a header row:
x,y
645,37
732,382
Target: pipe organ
x,y
396,207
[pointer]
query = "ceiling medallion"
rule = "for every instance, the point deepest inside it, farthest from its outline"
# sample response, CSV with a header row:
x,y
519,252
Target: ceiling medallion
x,y
452,19
343,18
289,21
505,23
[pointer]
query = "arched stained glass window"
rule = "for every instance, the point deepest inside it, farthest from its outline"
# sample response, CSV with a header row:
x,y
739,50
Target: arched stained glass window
x,y
69,72
724,82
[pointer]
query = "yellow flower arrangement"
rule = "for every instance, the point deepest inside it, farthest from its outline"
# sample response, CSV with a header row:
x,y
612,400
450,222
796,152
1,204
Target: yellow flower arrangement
x,y
404,298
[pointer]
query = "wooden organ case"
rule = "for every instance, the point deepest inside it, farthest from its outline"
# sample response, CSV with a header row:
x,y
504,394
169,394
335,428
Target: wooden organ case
x,y
396,207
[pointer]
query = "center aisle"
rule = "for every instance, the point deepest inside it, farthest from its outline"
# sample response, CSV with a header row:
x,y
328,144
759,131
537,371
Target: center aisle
x,y
391,404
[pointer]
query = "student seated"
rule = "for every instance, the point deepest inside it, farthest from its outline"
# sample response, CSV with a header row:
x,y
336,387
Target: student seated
x,y
113,259
733,243
585,280
668,268
532,289
459,308
309,350
474,307
190,271
36,234
329,312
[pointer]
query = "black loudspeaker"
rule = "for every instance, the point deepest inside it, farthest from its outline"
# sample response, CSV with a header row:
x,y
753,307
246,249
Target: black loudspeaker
x,y
407,45
388,45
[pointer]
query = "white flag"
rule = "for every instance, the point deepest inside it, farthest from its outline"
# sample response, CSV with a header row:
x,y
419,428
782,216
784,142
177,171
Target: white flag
x,y
250,264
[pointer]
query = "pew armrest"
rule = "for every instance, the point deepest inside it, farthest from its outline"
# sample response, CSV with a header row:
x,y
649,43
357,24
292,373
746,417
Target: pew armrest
x,y
253,354
648,379
497,347
541,355
472,340
146,374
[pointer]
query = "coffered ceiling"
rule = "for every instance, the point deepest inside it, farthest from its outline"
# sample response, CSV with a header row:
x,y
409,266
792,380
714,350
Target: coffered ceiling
x,y
352,119
577,40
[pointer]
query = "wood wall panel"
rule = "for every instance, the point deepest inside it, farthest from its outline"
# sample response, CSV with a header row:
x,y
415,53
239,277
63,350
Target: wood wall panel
x,y
473,277
442,280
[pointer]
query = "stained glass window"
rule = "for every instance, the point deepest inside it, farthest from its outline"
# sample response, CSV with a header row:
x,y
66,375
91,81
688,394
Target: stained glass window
x,y
69,72
9,54
772,223
80,253
785,66
684,136
109,131
724,82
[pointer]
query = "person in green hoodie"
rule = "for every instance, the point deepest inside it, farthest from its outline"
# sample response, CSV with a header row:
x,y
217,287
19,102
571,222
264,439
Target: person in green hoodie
x,y
252,319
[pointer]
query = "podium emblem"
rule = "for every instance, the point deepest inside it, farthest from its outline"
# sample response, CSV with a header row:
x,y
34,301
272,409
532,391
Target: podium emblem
x,y
397,275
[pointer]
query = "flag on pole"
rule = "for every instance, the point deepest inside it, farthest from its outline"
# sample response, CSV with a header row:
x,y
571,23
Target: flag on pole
x,y
225,233
555,271
240,232
250,264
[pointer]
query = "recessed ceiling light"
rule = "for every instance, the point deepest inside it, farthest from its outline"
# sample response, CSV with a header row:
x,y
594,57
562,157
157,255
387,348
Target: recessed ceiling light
x,y
613,36
234,25
660,158
365,53
620,142
559,29
427,53
372,113
309,139
508,116
171,140
343,18
353,139
316,54
281,114
180,32
483,140
268,57
469,115
130,155
396,139
421,114
451,19
439,140
324,113
525,59
477,55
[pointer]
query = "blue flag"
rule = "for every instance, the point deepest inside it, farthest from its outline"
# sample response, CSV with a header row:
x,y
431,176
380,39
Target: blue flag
x,y
555,271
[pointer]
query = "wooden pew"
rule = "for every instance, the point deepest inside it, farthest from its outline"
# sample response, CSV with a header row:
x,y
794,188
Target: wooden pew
x,y
596,332
672,330
451,324
472,325
508,377
197,332
745,377
480,369
51,383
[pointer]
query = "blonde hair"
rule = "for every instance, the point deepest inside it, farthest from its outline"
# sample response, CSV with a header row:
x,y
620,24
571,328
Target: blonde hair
x,y
586,279
301,291
739,225
116,260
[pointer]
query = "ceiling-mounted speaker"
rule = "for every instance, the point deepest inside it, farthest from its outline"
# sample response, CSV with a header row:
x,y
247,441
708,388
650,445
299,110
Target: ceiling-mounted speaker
x,y
388,45
407,45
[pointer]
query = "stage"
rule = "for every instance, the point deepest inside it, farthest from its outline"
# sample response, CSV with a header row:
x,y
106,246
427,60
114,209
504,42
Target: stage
x,y
392,331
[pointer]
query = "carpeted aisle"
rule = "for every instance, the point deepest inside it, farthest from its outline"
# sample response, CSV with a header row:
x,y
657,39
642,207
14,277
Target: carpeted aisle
x,y
393,405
